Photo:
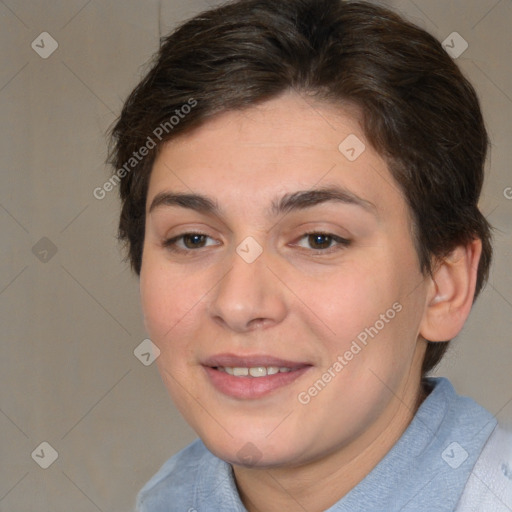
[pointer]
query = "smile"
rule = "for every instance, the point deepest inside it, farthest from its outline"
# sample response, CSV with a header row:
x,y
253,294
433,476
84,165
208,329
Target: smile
x,y
255,371
251,377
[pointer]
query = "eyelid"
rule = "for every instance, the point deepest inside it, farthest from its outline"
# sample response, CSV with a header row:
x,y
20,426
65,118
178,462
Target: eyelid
x,y
170,243
340,242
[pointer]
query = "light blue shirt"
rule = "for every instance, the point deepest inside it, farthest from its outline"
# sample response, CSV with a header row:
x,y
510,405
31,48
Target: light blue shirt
x,y
425,471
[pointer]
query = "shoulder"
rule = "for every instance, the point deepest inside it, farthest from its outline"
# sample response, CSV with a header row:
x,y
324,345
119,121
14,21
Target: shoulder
x,y
489,487
176,480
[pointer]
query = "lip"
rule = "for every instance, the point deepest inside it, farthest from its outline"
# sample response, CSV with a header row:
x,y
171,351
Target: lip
x,y
251,388
250,361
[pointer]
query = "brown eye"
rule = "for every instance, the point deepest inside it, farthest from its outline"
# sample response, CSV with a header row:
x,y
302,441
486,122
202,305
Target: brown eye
x,y
320,241
187,242
194,240
323,242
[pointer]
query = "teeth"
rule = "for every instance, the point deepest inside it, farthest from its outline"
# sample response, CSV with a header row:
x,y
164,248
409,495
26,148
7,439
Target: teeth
x,y
256,371
259,371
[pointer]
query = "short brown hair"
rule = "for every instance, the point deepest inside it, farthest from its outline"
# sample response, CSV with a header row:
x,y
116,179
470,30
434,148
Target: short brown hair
x,y
419,111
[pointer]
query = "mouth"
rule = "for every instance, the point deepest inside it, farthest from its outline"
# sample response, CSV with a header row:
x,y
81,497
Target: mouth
x,y
251,377
254,371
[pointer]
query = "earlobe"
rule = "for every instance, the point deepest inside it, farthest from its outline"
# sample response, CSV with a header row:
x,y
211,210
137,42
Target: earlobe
x,y
451,293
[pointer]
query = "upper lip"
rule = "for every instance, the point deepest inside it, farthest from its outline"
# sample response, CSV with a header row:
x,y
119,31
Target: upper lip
x,y
250,361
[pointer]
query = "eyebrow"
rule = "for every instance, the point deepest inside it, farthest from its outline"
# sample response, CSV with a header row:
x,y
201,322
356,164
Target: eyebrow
x,y
300,200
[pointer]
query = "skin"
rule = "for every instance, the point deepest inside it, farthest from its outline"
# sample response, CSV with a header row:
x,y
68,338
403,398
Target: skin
x,y
294,301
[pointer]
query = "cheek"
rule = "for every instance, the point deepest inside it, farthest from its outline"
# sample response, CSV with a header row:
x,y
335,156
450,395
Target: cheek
x,y
354,298
155,299
166,300
168,308
371,316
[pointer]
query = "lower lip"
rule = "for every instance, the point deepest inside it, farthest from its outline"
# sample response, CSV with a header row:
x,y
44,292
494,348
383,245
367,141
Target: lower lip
x,y
251,387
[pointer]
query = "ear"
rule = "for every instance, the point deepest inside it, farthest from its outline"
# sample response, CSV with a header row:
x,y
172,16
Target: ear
x,y
451,292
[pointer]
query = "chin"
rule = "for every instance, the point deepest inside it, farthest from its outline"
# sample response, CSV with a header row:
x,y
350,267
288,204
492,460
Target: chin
x,y
253,449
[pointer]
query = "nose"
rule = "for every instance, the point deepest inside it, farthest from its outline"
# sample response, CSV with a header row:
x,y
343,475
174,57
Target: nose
x,y
249,296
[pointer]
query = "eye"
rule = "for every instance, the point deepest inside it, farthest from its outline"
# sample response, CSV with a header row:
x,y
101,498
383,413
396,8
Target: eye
x,y
186,242
320,242
323,242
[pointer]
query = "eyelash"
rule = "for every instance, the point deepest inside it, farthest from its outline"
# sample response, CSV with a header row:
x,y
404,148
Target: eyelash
x,y
170,243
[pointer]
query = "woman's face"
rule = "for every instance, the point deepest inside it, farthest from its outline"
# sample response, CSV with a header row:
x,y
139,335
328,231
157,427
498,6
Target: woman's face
x,y
281,284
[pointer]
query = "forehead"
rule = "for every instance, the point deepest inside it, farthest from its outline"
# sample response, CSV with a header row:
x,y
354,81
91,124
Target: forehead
x,y
286,144
288,121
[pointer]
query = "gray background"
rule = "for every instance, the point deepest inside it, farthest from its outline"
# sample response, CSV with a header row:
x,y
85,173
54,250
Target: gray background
x,y
71,320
